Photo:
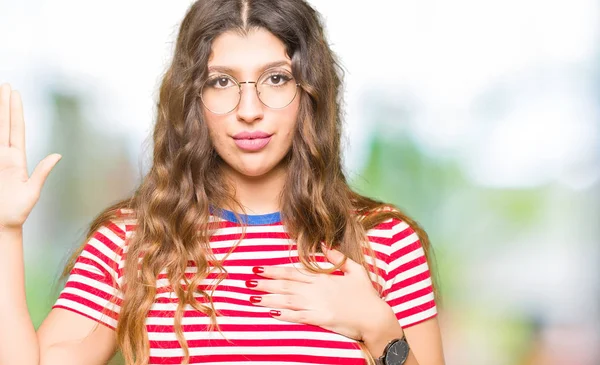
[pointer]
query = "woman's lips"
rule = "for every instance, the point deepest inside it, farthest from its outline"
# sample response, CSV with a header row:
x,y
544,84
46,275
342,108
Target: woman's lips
x,y
252,145
252,141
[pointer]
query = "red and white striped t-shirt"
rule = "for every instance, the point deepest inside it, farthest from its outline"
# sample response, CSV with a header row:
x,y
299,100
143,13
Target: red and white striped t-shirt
x,y
252,335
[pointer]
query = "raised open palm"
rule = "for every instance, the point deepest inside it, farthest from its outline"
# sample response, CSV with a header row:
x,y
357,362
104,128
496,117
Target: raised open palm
x,y
18,191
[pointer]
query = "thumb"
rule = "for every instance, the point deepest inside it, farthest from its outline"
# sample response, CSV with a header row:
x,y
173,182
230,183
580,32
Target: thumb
x,y
337,258
42,170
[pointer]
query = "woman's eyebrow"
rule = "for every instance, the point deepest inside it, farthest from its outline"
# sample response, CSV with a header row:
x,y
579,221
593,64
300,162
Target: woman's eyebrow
x,y
229,70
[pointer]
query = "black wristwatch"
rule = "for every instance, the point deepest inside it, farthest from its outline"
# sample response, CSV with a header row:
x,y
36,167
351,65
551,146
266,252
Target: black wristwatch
x,y
395,353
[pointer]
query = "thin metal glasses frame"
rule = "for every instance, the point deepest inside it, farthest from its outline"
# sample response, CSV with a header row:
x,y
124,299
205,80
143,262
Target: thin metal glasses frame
x,y
239,85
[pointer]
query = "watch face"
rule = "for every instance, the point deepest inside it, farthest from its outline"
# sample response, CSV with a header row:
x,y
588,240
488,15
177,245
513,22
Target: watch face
x,y
397,353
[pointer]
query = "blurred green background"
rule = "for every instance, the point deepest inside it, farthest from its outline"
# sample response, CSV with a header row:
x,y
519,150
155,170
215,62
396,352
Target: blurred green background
x,y
479,119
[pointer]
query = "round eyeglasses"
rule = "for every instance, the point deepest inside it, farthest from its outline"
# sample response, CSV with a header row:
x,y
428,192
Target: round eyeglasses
x,y
221,93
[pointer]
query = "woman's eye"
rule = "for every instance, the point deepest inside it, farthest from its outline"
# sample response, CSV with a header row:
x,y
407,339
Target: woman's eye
x,y
277,79
220,82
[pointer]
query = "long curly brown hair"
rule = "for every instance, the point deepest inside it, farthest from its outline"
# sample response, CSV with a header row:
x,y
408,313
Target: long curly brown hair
x,y
171,205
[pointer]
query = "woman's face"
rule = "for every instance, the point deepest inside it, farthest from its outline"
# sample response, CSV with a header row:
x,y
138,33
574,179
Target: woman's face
x,y
252,139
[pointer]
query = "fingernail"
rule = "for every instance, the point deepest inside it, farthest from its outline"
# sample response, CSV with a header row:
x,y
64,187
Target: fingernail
x,y
251,283
258,269
275,313
255,299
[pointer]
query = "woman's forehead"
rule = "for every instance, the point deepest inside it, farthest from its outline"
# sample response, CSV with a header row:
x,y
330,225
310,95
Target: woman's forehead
x,y
247,54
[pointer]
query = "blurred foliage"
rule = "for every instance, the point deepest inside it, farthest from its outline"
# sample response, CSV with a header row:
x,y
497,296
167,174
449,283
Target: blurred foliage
x,y
462,220
398,172
94,172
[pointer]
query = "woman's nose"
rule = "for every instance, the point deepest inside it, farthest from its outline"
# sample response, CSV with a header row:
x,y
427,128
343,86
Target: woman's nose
x,y
250,108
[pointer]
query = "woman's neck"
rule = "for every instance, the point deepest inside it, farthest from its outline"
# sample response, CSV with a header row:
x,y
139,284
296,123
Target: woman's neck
x,y
257,194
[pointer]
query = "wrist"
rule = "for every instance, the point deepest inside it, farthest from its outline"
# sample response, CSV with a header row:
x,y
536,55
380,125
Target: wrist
x,y
380,329
10,231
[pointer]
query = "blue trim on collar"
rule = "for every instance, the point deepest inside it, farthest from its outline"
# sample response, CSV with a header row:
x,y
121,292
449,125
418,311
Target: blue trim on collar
x,y
251,220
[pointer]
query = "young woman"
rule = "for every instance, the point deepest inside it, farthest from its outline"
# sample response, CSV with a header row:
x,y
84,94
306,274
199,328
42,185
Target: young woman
x,y
243,243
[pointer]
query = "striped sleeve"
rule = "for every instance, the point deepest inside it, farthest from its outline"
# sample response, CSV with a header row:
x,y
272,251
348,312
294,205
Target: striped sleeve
x,y
408,285
92,289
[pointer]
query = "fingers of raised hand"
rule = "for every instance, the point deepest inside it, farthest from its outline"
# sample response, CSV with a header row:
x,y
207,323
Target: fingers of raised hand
x,y
5,92
286,273
17,122
42,170
12,125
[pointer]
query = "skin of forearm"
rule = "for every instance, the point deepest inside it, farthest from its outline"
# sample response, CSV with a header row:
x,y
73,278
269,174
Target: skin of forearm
x,y
18,340
380,330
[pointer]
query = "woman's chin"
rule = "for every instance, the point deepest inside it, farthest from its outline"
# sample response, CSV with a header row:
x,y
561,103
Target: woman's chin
x,y
257,171
257,167
254,171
